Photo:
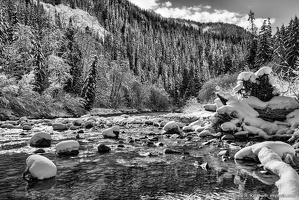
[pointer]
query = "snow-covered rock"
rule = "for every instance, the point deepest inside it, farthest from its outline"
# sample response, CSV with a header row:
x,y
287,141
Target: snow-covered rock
x,y
68,147
228,126
112,132
172,127
40,167
277,146
41,139
264,70
244,76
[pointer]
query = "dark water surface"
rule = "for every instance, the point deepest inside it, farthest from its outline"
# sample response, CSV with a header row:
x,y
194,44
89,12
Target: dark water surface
x,y
129,173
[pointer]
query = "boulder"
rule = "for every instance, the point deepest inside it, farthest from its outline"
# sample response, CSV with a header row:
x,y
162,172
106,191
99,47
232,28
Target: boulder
x,y
210,107
172,127
59,127
77,122
102,148
89,124
27,127
39,167
8,126
41,139
68,148
112,132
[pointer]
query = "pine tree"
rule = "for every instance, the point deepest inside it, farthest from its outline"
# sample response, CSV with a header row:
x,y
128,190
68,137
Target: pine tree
x,y
264,54
73,84
40,71
252,45
88,90
292,42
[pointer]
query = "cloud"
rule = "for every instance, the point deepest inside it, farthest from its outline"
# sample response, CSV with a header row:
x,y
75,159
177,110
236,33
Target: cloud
x,y
199,13
146,4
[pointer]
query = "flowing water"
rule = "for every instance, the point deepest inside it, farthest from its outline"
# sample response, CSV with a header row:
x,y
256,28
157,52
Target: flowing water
x,y
128,172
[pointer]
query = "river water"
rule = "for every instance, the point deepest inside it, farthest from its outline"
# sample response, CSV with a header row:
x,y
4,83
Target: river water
x,y
128,172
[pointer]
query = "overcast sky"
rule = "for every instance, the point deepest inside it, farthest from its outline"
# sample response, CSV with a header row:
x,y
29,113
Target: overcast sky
x,y
229,11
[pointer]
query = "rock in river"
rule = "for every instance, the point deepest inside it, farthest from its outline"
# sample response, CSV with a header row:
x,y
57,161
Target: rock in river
x,y
41,139
103,148
112,132
68,147
39,167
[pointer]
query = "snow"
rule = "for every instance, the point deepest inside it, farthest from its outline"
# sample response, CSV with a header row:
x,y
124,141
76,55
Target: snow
x,y
111,132
245,76
277,102
81,19
277,146
41,167
228,126
256,131
263,70
67,145
170,125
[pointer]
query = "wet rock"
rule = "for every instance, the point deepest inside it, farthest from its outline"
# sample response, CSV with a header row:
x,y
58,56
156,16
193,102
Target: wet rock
x,y
205,133
77,122
39,151
89,124
23,119
210,107
199,129
72,127
149,122
67,148
163,123
41,139
59,127
172,127
81,131
66,121
170,151
12,122
121,146
228,137
112,132
159,144
223,153
188,129
8,126
27,127
102,148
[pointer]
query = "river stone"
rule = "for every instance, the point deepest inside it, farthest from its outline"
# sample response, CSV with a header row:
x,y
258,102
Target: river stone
x,y
172,127
149,122
102,148
41,139
72,127
59,127
8,126
89,124
210,107
68,148
188,129
39,151
112,132
27,127
205,133
40,167
228,137
23,119
170,151
77,122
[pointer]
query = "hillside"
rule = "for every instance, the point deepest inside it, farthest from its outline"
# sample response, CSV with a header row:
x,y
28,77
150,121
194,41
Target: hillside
x,y
67,55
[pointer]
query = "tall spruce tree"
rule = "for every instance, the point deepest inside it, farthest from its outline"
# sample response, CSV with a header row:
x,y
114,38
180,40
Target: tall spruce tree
x,y
264,54
88,90
252,45
292,42
74,84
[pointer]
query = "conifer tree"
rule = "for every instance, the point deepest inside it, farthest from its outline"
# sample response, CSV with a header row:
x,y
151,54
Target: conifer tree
x,y
252,45
292,42
264,54
88,90
73,84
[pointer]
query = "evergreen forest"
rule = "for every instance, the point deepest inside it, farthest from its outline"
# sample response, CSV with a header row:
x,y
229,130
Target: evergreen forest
x,y
49,66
